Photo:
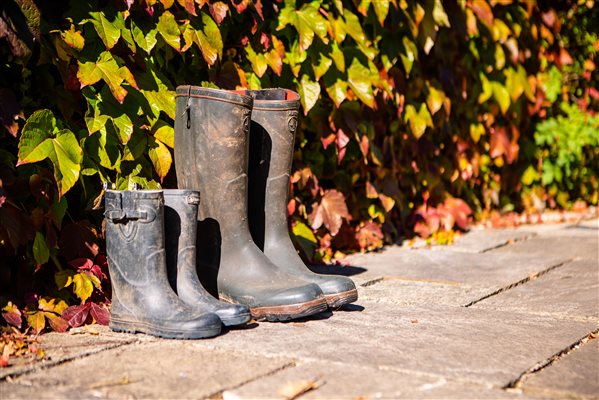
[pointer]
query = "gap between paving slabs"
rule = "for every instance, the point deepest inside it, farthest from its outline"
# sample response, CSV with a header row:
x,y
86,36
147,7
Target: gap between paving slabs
x,y
518,383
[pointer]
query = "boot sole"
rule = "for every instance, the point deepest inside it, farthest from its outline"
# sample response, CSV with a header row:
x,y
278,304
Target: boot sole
x,y
119,325
290,311
339,299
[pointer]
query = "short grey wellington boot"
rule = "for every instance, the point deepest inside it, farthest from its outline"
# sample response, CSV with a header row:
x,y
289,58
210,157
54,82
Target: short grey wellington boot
x,y
142,299
180,228
211,152
272,134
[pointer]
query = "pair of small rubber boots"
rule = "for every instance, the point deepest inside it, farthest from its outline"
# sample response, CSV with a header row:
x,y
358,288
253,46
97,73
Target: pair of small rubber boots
x,y
236,149
151,248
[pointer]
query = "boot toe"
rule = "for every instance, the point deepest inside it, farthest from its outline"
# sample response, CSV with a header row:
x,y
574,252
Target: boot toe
x,y
295,295
333,284
234,314
198,326
338,290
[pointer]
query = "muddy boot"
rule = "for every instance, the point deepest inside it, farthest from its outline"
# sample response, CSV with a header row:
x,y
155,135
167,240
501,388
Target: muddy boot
x,y
142,299
272,133
180,228
211,150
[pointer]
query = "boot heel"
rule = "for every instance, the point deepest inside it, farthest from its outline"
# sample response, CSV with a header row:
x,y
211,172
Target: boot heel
x,y
119,325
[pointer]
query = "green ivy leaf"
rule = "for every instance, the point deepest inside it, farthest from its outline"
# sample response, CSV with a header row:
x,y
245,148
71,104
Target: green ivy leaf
x,y
338,57
169,30
73,38
307,21
109,32
257,60
107,69
353,27
411,53
39,141
381,9
418,120
304,237
84,285
64,278
435,99
501,95
337,91
41,253
439,14
146,39
358,77
164,132
323,65
309,92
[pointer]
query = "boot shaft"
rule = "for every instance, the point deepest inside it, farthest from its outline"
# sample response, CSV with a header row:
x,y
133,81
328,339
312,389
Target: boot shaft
x,y
134,230
180,230
211,152
272,137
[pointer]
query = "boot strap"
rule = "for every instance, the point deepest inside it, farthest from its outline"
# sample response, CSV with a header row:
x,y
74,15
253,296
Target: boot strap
x,y
127,210
121,215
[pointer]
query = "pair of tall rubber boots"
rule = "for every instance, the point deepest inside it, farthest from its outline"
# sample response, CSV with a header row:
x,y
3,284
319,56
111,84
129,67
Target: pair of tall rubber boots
x,y
240,247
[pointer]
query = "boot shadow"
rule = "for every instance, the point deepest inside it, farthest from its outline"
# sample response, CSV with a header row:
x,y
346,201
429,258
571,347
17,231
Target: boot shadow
x,y
260,148
208,254
172,232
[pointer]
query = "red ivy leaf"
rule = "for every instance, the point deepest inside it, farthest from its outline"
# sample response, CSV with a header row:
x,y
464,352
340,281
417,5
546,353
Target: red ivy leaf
x,y
100,313
460,211
81,264
331,211
12,315
76,315
218,10
57,323
369,236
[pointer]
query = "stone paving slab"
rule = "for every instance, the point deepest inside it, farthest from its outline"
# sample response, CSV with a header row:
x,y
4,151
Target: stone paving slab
x,y
348,381
491,348
550,247
493,269
408,292
482,240
157,369
60,347
576,375
570,291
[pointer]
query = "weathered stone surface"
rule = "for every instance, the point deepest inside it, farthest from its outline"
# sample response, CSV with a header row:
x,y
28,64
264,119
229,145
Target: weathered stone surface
x,y
60,347
488,270
407,292
570,291
574,375
488,347
350,381
553,246
481,240
157,369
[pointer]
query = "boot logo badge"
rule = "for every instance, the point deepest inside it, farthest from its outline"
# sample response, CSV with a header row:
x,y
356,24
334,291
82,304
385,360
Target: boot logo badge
x,y
247,117
292,121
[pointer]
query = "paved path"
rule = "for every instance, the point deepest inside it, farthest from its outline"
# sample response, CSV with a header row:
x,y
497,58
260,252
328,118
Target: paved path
x,y
500,314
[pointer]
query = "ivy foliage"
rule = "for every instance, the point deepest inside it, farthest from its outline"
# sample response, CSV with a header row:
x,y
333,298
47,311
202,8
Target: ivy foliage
x,y
418,115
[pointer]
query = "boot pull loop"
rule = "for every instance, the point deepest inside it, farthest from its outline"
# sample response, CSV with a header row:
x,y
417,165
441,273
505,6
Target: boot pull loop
x,y
187,110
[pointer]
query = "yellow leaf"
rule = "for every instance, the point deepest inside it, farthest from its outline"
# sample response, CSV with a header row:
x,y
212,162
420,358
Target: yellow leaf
x,y
161,158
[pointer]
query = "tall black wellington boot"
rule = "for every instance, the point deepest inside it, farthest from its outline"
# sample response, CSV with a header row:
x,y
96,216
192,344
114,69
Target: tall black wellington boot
x,y
180,228
272,134
142,299
211,150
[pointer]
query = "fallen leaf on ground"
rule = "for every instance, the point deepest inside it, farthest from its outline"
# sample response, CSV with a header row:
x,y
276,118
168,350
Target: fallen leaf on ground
x,y
294,389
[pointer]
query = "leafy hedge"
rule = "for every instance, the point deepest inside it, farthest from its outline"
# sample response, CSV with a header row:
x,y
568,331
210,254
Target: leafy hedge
x,y
416,115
